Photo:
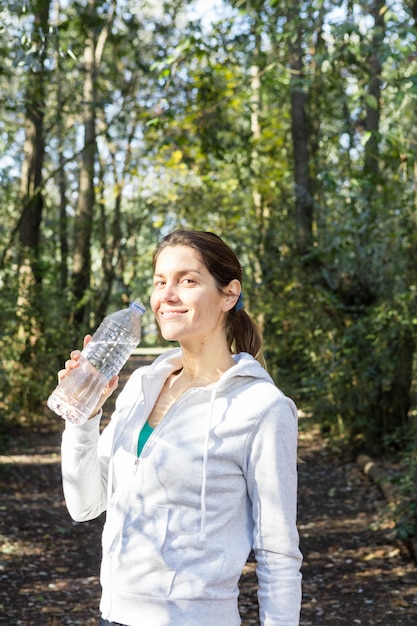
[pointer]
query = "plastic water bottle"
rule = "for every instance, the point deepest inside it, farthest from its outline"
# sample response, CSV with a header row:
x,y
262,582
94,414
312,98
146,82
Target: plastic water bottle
x,y
78,393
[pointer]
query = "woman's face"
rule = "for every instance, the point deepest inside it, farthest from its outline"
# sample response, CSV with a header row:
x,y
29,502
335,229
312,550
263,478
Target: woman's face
x,y
186,302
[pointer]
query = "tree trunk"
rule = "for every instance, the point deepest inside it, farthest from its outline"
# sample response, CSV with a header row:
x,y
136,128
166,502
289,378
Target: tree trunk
x,y
110,232
84,212
30,273
300,138
374,91
61,177
34,146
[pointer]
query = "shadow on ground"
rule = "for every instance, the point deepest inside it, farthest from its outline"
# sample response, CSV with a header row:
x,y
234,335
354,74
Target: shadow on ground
x,y
355,572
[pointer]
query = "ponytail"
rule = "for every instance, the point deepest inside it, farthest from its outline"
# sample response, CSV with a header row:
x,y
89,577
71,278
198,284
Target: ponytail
x,y
243,335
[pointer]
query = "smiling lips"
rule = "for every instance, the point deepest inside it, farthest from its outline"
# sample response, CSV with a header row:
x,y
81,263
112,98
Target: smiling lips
x,y
169,315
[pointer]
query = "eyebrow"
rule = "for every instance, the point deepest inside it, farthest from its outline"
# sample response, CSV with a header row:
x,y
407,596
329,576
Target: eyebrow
x,y
181,273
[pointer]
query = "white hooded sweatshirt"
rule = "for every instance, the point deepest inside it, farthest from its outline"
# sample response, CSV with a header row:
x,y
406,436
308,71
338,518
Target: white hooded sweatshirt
x,y
216,478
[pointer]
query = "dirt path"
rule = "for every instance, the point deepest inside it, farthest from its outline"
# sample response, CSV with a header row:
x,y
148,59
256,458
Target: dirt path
x,y
354,572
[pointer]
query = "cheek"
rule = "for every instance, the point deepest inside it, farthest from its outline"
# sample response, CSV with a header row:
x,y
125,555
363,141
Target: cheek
x,y
154,301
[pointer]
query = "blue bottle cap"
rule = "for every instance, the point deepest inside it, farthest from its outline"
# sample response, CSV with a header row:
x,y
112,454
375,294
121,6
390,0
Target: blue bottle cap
x,y
136,304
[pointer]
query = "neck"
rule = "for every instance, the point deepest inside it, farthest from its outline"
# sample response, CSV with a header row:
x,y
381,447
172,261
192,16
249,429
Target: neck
x,y
205,365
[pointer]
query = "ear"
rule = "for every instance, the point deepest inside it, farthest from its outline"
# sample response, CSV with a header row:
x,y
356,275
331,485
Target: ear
x,y
231,292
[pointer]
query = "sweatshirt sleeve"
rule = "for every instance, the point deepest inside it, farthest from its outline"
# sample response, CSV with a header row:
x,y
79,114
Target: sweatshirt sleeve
x,y
272,488
84,471
85,456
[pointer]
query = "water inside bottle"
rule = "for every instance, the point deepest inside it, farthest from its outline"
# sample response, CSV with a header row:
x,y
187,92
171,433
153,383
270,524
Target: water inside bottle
x,y
110,352
77,395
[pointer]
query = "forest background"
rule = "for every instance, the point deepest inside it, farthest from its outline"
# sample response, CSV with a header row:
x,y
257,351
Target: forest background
x,y
287,127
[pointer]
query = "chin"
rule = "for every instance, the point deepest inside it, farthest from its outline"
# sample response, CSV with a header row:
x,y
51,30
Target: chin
x,y
169,336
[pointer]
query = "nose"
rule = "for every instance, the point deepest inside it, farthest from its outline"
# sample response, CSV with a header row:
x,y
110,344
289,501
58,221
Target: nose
x,y
169,293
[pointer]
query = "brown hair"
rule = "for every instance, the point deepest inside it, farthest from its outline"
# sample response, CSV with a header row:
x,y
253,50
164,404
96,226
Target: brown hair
x,y
242,333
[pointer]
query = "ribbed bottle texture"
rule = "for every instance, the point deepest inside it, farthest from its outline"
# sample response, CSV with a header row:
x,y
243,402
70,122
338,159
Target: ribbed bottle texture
x,y
78,393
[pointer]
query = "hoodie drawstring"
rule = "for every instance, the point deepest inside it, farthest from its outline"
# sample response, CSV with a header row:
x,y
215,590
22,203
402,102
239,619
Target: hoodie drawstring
x,y
203,533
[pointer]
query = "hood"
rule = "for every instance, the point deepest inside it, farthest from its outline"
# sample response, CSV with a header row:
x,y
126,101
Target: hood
x,y
245,365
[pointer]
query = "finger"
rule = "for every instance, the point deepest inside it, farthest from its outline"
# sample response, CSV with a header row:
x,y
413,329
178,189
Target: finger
x,y
87,340
113,383
107,391
75,355
71,363
62,374
69,366
111,386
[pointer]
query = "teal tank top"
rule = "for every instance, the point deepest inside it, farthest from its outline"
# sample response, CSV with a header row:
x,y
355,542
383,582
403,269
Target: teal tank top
x,y
144,435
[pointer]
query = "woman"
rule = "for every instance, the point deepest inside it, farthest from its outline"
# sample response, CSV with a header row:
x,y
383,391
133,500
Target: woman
x,y
198,464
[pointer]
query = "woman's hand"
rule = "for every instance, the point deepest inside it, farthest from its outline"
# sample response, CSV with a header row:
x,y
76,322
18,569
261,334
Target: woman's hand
x,y
73,362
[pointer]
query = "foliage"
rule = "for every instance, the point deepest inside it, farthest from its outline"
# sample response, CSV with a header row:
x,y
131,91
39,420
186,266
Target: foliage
x,y
404,510
195,127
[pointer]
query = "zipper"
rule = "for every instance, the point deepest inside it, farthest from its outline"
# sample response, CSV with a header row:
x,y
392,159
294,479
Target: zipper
x,y
145,408
137,459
